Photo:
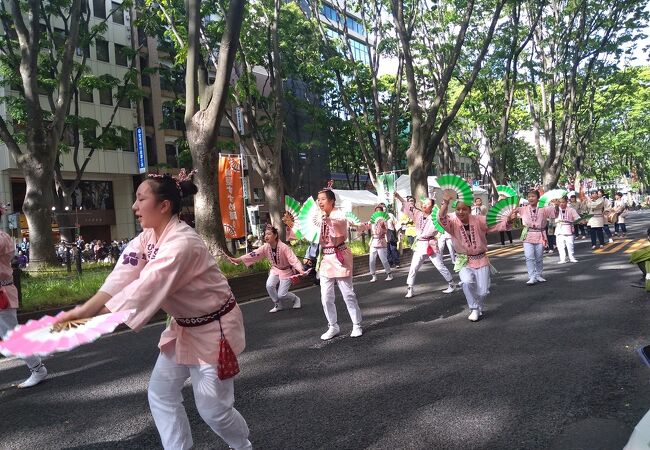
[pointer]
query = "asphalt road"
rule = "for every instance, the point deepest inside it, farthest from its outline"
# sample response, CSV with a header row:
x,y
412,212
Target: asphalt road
x,y
550,366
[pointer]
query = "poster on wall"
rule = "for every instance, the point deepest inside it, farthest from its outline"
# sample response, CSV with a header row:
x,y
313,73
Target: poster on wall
x,y
231,196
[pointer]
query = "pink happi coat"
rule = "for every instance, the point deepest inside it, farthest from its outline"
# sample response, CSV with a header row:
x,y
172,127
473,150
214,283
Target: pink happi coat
x,y
7,252
473,241
538,221
175,273
283,263
426,230
334,230
378,230
564,221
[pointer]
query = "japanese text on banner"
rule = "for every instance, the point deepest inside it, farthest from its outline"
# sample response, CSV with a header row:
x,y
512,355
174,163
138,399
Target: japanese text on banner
x,y
231,196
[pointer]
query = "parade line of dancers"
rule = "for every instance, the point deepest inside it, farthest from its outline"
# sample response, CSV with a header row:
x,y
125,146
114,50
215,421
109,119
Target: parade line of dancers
x,y
169,267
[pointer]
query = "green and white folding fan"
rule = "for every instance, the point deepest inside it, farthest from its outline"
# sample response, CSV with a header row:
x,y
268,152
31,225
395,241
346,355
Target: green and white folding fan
x,y
506,191
353,219
310,220
458,185
501,209
292,206
434,219
379,215
553,194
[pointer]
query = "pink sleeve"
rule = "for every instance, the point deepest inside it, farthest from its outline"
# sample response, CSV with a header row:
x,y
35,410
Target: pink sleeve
x,y
255,255
169,271
550,211
338,227
293,259
127,269
501,226
447,222
291,236
364,227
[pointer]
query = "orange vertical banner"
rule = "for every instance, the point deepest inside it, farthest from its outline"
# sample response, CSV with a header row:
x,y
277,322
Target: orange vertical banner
x,y
231,196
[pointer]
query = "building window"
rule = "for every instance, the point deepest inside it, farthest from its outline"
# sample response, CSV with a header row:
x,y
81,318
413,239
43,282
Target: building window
x,y
124,101
258,194
99,8
355,26
59,37
148,111
101,47
129,146
171,154
360,51
120,56
144,64
86,95
152,154
118,13
106,96
90,138
85,51
330,13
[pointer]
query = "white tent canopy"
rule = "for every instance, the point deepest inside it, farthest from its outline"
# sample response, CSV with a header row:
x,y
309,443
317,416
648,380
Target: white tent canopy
x,y
361,203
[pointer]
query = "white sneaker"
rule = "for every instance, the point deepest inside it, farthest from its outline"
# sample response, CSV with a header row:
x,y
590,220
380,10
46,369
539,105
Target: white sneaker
x,y
373,279
541,280
561,262
276,308
474,316
36,377
573,260
611,241
332,331
531,281
356,331
409,292
296,303
389,277
451,288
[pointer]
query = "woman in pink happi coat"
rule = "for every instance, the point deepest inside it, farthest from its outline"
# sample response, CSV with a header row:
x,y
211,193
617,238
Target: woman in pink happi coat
x,y
9,306
378,246
468,232
566,217
535,219
336,266
283,265
169,267
426,244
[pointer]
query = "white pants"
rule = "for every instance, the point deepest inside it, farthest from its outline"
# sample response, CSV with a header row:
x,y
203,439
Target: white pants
x,y
476,285
446,241
9,321
214,400
347,291
279,289
565,242
419,257
383,257
534,254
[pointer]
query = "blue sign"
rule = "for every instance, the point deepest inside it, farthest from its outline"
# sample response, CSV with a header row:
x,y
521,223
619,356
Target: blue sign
x,y
139,145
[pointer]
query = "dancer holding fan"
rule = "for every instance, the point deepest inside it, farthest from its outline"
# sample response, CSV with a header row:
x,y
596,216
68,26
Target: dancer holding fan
x,y
535,219
378,244
9,306
336,259
169,266
283,264
468,232
426,245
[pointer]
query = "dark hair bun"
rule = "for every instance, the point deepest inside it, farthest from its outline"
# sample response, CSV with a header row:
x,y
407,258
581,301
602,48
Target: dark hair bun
x,y
188,188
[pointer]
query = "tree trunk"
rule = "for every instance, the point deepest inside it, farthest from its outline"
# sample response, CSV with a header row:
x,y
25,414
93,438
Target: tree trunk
x,y
207,213
38,168
417,167
274,198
